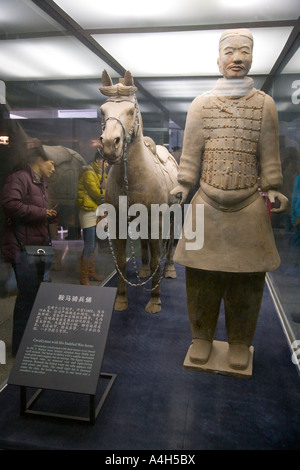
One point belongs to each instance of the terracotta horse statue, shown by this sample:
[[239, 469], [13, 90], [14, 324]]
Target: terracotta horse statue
[[143, 172]]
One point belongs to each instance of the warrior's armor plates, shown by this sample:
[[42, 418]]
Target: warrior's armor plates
[[231, 133]]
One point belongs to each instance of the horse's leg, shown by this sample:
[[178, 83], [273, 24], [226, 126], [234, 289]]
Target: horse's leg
[[121, 302], [145, 268], [154, 304], [170, 270]]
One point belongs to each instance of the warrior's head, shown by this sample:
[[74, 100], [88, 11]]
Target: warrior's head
[[235, 53]]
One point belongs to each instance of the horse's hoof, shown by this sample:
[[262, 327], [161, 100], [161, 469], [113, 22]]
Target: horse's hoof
[[121, 304], [171, 272], [153, 306], [144, 272]]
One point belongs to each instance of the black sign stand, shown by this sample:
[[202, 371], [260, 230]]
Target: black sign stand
[[63, 346], [26, 406]]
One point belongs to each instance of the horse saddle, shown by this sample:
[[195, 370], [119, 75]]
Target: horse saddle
[[159, 151]]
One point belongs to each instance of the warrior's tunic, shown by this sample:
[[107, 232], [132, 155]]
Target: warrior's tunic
[[231, 144]]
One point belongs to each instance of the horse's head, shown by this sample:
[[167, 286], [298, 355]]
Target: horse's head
[[120, 115]]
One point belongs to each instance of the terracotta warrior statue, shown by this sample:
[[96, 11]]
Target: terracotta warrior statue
[[231, 145]]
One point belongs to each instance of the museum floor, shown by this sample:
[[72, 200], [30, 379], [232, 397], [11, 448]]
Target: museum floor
[[156, 403]]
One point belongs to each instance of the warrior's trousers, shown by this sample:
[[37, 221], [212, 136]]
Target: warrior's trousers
[[242, 294]]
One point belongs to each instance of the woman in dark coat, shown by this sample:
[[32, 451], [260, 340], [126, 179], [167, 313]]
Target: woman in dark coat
[[27, 218]]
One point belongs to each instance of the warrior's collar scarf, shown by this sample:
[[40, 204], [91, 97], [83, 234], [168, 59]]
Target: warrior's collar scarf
[[233, 88]]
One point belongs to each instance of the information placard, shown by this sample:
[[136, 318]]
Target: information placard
[[64, 341]]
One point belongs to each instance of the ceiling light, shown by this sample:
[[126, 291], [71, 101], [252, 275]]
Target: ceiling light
[[293, 66], [142, 13], [77, 113], [4, 140], [46, 58], [190, 53], [16, 116], [238, 4]]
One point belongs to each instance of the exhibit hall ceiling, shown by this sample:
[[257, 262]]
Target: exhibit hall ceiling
[[59, 49]]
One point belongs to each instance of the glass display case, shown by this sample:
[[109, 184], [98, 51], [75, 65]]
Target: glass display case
[[284, 283], [52, 55]]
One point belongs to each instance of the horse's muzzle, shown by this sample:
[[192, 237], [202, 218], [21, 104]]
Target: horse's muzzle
[[113, 160], [112, 148]]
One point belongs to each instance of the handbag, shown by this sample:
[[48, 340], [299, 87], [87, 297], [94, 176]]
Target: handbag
[[38, 253]]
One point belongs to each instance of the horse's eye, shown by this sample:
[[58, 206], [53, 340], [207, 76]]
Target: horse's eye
[[131, 112]]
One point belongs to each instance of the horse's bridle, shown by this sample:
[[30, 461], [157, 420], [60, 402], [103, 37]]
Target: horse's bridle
[[127, 135]]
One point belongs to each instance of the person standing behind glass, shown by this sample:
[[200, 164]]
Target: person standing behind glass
[[90, 194], [27, 218]]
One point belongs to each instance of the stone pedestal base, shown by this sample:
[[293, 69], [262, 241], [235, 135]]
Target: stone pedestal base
[[218, 362]]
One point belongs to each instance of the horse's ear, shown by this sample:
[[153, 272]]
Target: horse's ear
[[128, 79], [125, 87], [106, 80]]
